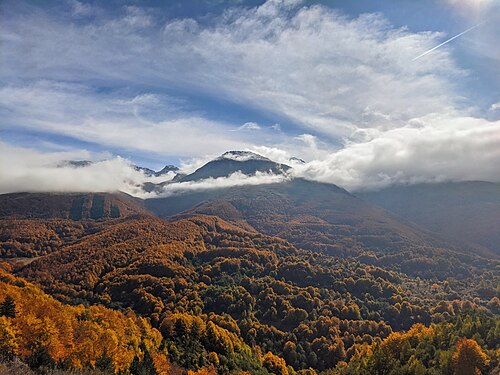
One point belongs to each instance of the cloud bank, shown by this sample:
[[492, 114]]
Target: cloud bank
[[25, 170], [433, 149]]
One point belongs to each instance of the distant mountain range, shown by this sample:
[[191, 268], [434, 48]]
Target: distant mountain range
[[148, 172]]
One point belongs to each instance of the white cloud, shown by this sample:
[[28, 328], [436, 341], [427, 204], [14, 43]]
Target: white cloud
[[443, 149], [235, 179], [250, 126], [320, 69], [495, 106], [26, 170], [309, 140], [473, 8], [80, 9], [147, 122]]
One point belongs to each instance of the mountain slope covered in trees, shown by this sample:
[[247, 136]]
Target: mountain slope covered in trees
[[285, 278], [326, 218], [239, 300], [44, 332]]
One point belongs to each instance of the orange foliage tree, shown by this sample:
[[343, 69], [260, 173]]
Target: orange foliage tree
[[469, 358]]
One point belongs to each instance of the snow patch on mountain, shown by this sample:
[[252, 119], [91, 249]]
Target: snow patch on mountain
[[242, 156]]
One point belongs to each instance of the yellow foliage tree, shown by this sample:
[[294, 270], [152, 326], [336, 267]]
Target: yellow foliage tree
[[8, 339], [74, 334]]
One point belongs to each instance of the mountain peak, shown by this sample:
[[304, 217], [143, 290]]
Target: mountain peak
[[294, 159], [166, 169], [242, 156], [74, 163], [246, 162]]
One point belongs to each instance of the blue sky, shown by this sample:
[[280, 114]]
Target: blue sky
[[332, 82]]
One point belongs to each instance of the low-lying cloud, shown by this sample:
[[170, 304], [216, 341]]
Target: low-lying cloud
[[233, 180], [26, 170], [427, 150]]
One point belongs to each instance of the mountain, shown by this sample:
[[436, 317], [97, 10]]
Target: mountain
[[326, 218], [462, 211], [74, 206], [290, 278], [36, 224], [166, 169], [294, 159], [215, 290], [230, 162], [147, 171], [75, 163], [297, 277], [151, 173]]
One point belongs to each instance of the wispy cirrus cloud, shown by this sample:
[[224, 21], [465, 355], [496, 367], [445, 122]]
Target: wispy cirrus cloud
[[321, 69], [151, 123]]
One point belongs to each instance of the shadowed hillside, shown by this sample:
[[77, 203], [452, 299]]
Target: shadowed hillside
[[461, 211], [324, 217], [74, 206], [34, 224]]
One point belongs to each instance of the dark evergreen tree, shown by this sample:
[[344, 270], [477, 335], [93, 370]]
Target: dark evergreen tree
[[145, 366], [40, 359], [8, 307], [105, 364]]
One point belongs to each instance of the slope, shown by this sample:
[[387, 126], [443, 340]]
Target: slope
[[210, 286], [463, 211], [74, 206], [236, 161], [324, 217], [35, 224], [42, 330]]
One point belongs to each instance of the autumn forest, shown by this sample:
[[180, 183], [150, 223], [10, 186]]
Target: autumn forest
[[132, 293]]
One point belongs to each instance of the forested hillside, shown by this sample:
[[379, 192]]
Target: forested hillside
[[238, 300], [74, 206], [325, 218], [46, 333]]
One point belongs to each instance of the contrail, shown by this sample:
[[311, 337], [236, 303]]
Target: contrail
[[448, 41]]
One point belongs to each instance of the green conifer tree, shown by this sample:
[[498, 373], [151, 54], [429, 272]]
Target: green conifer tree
[[8, 307]]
